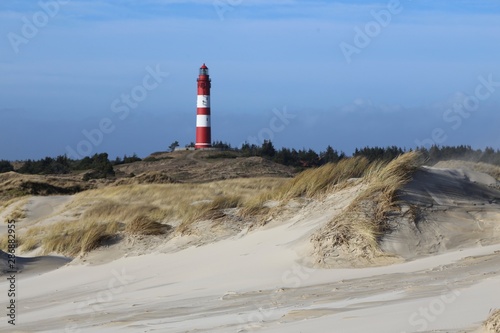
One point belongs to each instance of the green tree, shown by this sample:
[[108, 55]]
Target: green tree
[[173, 145], [330, 155], [101, 167], [5, 166], [268, 149]]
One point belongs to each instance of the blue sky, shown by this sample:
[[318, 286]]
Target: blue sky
[[412, 79]]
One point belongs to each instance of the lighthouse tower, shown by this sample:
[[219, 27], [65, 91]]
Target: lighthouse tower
[[203, 132]]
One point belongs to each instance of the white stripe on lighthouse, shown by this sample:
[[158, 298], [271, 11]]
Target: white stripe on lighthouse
[[203, 101], [202, 120]]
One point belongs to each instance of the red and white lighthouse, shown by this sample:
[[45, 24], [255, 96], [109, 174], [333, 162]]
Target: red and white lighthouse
[[203, 131]]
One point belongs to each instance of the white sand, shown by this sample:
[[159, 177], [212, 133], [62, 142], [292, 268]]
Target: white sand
[[255, 282]]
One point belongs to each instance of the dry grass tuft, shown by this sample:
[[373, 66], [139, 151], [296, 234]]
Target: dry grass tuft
[[73, 238], [359, 228], [211, 210], [18, 211], [256, 205], [6, 203], [4, 242], [492, 324], [314, 182], [30, 244], [143, 225]]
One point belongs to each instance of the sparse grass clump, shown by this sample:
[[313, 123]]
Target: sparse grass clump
[[18, 212], [256, 205], [210, 210], [143, 225], [73, 238], [67, 238]]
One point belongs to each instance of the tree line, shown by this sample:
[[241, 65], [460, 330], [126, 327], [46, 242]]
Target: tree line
[[304, 158], [100, 166], [97, 166]]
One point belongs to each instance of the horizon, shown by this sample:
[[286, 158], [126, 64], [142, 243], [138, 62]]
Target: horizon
[[301, 74]]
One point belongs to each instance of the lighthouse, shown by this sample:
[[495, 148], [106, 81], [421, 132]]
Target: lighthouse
[[203, 132]]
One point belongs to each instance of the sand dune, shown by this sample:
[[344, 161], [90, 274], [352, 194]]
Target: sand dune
[[445, 209], [31, 266], [446, 238]]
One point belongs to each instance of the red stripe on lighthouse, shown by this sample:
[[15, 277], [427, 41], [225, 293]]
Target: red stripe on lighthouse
[[203, 129]]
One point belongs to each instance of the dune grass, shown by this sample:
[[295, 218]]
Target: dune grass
[[143, 225], [18, 212], [363, 222], [314, 182], [66, 238], [105, 213], [492, 324], [209, 210], [183, 203], [311, 183], [72, 238], [4, 242]]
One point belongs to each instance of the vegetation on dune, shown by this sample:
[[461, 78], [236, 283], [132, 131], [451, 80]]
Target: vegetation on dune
[[492, 324], [147, 207], [14, 186], [363, 222], [144, 225], [140, 210], [310, 183], [72, 238], [18, 212], [68, 238], [209, 210], [314, 182]]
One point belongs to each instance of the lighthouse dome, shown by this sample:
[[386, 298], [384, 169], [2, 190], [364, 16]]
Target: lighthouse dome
[[203, 70]]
